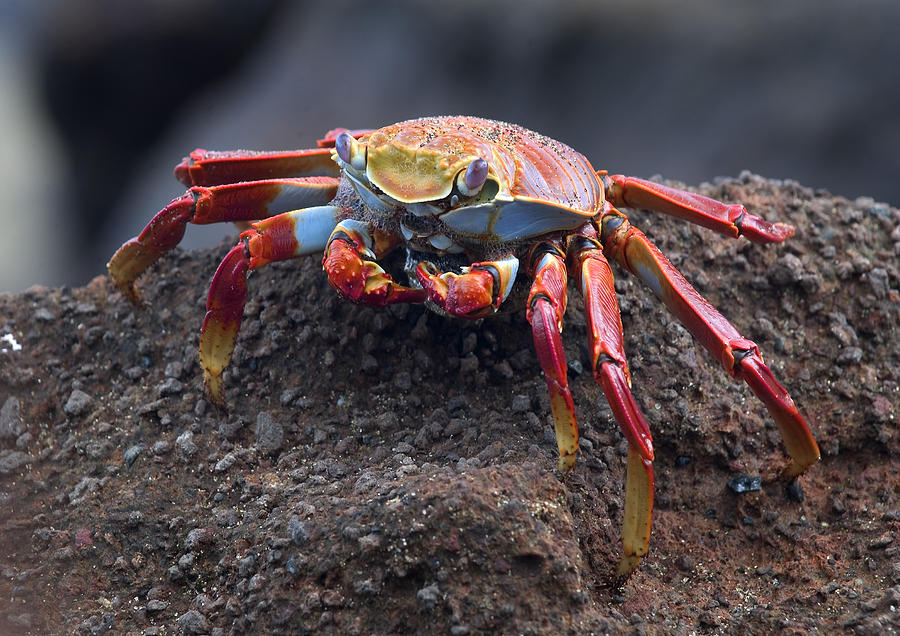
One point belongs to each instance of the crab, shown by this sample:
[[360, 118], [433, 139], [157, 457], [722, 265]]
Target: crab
[[486, 212]]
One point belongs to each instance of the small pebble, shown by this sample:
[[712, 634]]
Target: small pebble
[[744, 483], [403, 381], [795, 491], [225, 463], [133, 453], [185, 443], [197, 538], [170, 387], [299, 531], [685, 563], [12, 460], [881, 542], [193, 622], [77, 403], [269, 433], [429, 596], [11, 425], [786, 271], [521, 404]]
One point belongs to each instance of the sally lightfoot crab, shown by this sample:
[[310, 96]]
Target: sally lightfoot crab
[[482, 209]]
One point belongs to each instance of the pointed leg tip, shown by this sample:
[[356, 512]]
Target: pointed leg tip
[[214, 389], [799, 466], [566, 464], [627, 565], [126, 265], [126, 287]]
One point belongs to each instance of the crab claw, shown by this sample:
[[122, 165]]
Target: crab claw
[[477, 292], [224, 310], [466, 296]]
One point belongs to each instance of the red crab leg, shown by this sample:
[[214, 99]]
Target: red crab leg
[[592, 273], [739, 356], [200, 205], [209, 167], [275, 239], [477, 292], [349, 261], [729, 219], [545, 308]]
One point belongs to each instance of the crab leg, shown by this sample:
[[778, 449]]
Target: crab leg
[[350, 256], [739, 356], [202, 205], [274, 239], [477, 292], [545, 308], [209, 167], [729, 219], [591, 272]]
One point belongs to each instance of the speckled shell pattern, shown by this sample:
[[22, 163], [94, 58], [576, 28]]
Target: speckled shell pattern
[[526, 163]]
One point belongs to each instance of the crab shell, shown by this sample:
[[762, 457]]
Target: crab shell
[[534, 184]]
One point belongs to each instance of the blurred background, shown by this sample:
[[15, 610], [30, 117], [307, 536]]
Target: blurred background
[[99, 99]]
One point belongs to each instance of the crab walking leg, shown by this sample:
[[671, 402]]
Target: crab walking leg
[[275, 239], [638, 511], [209, 167], [593, 276], [739, 356], [729, 219], [349, 261], [202, 205], [545, 308], [477, 292]]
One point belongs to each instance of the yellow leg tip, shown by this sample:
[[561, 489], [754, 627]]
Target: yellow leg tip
[[566, 463], [214, 388], [628, 564]]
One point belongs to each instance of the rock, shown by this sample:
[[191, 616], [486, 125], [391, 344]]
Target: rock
[[429, 596], [269, 433], [299, 531], [192, 622], [521, 404], [744, 483], [786, 271], [11, 460], [198, 538], [11, 425], [132, 454], [185, 444], [77, 403]]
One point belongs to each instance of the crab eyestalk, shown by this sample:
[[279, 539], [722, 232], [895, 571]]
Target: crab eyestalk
[[470, 182], [350, 151]]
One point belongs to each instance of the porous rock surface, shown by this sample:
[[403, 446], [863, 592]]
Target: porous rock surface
[[392, 471]]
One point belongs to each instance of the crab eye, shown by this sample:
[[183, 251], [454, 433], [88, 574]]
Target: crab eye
[[476, 174], [470, 182], [343, 144]]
